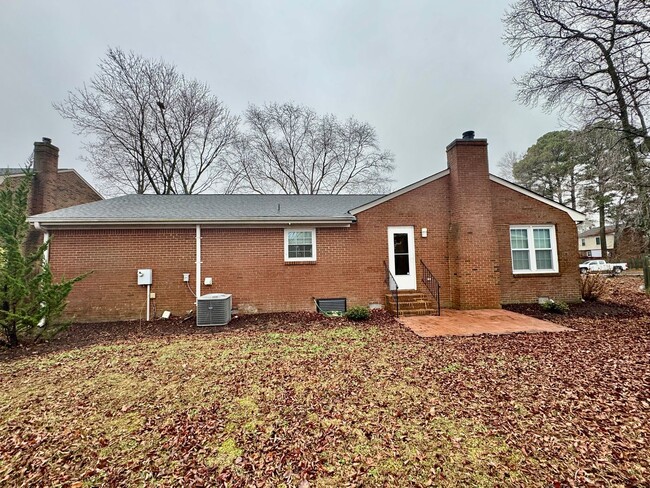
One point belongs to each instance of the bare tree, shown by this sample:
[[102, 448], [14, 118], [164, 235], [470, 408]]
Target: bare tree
[[151, 130], [288, 148], [506, 163], [593, 64]]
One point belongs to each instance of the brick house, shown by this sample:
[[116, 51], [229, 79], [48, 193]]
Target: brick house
[[487, 241], [53, 187]]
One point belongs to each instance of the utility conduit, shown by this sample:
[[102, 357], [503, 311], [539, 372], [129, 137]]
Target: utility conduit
[[198, 263]]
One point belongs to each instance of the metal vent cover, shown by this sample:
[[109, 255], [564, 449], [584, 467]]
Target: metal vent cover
[[332, 305], [213, 309]]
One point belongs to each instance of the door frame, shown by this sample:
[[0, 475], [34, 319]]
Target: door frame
[[404, 282]]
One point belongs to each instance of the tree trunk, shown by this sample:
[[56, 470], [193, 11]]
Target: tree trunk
[[12, 336], [9, 326], [603, 235]]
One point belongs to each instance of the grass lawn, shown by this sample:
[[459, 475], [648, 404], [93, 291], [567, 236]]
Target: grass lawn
[[296, 400]]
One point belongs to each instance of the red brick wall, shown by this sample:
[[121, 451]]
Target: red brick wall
[[513, 208], [68, 189], [474, 253], [111, 292]]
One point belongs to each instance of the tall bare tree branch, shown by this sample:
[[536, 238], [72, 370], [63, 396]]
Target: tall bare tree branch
[[593, 65], [288, 148], [151, 129]]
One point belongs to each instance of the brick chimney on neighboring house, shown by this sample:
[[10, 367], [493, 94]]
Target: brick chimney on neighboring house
[[474, 254], [46, 167]]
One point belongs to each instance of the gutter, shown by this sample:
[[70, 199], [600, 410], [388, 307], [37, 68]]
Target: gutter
[[275, 221]]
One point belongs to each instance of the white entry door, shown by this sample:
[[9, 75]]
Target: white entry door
[[401, 256]]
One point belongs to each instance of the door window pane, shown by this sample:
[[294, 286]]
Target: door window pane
[[401, 242], [401, 249], [401, 264]]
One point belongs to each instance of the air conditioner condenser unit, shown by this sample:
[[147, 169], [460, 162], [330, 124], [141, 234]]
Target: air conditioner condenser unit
[[213, 309]]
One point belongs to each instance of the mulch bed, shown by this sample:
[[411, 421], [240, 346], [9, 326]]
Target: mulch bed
[[88, 334]]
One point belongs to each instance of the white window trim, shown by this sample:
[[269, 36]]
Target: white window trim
[[531, 250], [286, 243]]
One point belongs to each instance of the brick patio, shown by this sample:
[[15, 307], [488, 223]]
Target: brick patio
[[476, 322]]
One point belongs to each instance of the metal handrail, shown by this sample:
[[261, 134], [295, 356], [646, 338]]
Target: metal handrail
[[432, 285], [391, 283]]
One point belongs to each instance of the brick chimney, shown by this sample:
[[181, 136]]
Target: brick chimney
[[46, 167], [474, 253]]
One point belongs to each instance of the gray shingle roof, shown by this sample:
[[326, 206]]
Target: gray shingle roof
[[10, 171], [609, 229], [209, 208]]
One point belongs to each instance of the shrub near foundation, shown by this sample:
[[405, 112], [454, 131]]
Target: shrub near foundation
[[592, 286], [558, 307], [358, 313]]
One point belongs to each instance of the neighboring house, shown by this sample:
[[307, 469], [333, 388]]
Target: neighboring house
[[487, 241], [52, 188], [589, 245]]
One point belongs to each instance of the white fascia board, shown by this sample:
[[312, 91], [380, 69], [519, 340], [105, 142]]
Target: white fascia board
[[131, 223], [574, 214], [399, 192]]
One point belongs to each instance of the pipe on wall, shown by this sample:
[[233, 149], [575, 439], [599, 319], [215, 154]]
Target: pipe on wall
[[198, 263], [46, 254]]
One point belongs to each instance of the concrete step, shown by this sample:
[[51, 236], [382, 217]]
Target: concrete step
[[411, 313], [410, 298], [429, 310], [406, 295], [411, 303]]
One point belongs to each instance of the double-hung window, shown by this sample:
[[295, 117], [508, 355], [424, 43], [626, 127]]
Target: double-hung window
[[533, 249], [300, 244]]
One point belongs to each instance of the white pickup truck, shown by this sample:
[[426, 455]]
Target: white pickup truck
[[601, 266]]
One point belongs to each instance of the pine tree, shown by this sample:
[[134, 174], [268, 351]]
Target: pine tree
[[30, 301]]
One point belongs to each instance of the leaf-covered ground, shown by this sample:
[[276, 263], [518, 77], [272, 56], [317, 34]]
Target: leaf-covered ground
[[297, 400]]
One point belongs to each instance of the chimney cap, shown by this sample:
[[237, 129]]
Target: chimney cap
[[469, 134], [47, 140]]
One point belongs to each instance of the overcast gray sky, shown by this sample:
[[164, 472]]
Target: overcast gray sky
[[420, 72]]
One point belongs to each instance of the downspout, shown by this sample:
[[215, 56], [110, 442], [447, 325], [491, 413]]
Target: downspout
[[46, 254], [198, 263], [148, 303], [46, 259]]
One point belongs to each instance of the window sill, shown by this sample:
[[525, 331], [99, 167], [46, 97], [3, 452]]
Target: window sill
[[298, 263], [536, 275]]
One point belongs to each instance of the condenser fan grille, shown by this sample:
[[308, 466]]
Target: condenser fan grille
[[213, 309]]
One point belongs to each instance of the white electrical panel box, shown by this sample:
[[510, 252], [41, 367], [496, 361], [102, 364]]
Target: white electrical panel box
[[144, 277]]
